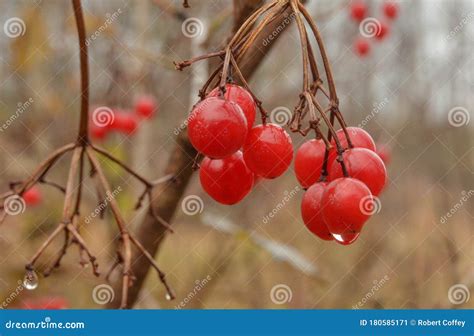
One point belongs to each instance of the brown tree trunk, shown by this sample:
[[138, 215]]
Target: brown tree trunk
[[166, 196]]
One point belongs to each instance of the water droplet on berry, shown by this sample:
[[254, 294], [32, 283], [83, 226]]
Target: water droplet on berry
[[346, 238], [30, 281], [168, 297]]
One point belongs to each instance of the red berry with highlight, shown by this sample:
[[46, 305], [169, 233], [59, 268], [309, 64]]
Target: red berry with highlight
[[382, 32], [268, 150], [226, 180], [146, 107], [390, 9], [309, 161], [342, 205], [217, 127], [241, 97], [358, 10], [364, 165], [311, 211], [32, 196]]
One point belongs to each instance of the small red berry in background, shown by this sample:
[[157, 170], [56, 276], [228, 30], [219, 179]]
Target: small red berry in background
[[362, 47], [358, 10], [385, 153], [226, 180], [268, 150], [241, 97], [390, 9], [309, 161], [45, 303], [98, 132], [342, 205], [32, 196], [311, 211], [382, 32], [364, 165], [217, 127], [125, 122], [146, 107]]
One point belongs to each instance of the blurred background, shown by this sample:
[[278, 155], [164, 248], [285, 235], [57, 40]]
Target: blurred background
[[412, 91]]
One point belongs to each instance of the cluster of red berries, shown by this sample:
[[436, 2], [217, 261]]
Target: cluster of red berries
[[121, 120], [337, 204], [221, 128], [359, 11]]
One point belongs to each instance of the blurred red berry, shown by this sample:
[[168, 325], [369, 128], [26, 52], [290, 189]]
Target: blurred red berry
[[358, 10], [362, 47], [146, 107], [382, 32], [311, 211], [97, 132], [241, 97], [390, 9], [32, 196], [45, 303], [125, 122]]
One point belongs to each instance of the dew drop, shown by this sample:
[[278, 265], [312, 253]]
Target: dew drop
[[346, 238], [168, 297], [30, 281]]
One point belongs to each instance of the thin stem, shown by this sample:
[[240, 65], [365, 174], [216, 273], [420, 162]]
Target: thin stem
[[83, 136]]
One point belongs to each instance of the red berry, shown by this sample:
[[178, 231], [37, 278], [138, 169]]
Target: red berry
[[125, 122], [45, 303], [358, 10], [390, 9], [98, 132], [385, 153], [364, 165], [146, 107], [382, 32], [342, 205], [226, 180], [311, 211], [309, 161], [346, 238], [217, 127], [32, 196], [241, 97], [268, 150], [362, 47], [359, 139]]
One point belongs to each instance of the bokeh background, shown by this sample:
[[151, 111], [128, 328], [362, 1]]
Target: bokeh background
[[413, 92]]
